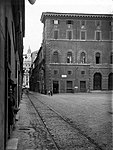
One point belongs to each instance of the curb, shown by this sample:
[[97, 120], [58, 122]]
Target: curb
[[12, 144]]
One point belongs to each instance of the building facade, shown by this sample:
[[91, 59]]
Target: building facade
[[26, 68], [33, 56], [12, 26], [28, 61], [37, 73], [78, 52]]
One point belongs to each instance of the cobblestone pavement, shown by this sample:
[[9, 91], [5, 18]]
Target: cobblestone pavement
[[91, 112], [65, 136], [29, 129]]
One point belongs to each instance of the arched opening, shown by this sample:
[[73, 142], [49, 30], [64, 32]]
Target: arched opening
[[110, 81], [97, 57], [69, 57], [83, 57], [55, 58], [97, 80]]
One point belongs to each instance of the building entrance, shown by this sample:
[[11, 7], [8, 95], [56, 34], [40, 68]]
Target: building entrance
[[110, 81], [82, 86], [97, 80], [69, 86], [55, 87]]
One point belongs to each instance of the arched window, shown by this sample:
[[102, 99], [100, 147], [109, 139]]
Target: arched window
[[69, 57], [55, 57], [56, 34], [97, 58], [83, 57], [111, 58]]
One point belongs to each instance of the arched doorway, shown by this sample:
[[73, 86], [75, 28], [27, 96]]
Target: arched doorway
[[110, 81], [97, 80]]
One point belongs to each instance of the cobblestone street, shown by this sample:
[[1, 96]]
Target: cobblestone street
[[90, 112]]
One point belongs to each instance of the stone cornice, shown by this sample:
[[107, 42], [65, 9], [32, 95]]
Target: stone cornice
[[77, 15], [69, 64], [77, 40]]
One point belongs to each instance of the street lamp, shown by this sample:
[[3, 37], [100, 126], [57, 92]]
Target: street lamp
[[32, 1]]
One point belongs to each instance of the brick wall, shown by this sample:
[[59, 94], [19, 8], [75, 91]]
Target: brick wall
[[90, 46], [90, 28]]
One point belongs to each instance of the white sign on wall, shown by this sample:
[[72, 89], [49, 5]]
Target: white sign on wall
[[64, 75]]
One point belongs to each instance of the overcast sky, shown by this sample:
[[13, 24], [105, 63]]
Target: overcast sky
[[34, 27]]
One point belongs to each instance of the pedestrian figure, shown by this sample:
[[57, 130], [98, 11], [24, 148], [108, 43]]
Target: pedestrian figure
[[27, 91], [51, 92]]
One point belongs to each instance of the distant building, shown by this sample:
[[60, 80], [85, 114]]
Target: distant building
[[26, 68], [37, 73], [33, 56], [28, 61], [77, 52]]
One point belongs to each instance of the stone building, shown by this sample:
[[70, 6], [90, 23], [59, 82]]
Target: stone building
[[33, 56], [37, 73], [12, 27], [26, 68], [12, 31], [28, 60], [78, 52]]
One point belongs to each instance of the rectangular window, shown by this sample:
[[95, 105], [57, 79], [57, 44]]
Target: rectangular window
[[55, 21], [69, 22], [69, 35], [69, 84], [98, 35], [82, 72], [69, 72], [83, 35], [56, 34], [55, 72]]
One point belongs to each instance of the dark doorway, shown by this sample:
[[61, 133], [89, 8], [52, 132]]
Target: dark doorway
[[110, 81], [97, 80], [69, 87], [83, 86], [55, 87]]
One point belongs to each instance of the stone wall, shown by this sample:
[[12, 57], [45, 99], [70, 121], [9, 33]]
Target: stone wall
[[2, 73], [90, 46]]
